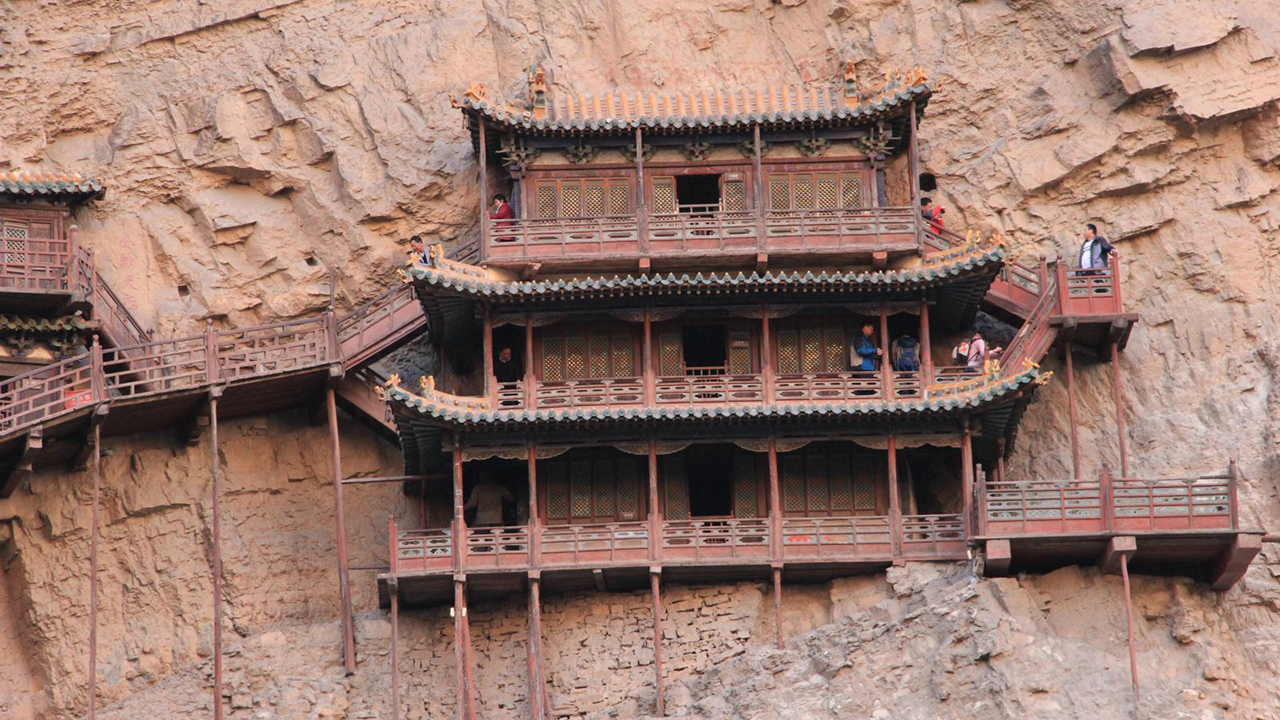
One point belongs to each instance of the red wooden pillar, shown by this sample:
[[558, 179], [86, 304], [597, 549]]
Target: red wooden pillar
[[895, 499], [459, 517], [762, 244], [484, 195], [775, 505], [886, 365], [217, 558], [394, 590], [539, 702], [777, 604], [462, 650], [913, 167], [655, 516], [93, 570], [926, 348], [530, 383], [766, 354], [340, 518], [490, 382], [655, 591], [650, 377], [1128, 612], [1117, 392], [966, 457], [642, 210], [1071, 411]]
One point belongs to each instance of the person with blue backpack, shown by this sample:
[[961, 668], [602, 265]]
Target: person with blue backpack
[[863, 350], [906, 354]]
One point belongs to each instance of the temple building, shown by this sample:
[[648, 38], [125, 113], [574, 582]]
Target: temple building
[[701, 337]]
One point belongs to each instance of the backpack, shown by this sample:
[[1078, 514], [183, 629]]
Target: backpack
[[909, 358], [960, 355]]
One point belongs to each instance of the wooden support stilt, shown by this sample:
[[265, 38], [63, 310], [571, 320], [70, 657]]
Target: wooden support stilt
[[1117, 392], [777, 605], [1071, 411], [93, 574], [395, 648], [1133, 651], [484, 193], [340, 518], [538, 708], [462, 650], [217, 560], [656, 591]]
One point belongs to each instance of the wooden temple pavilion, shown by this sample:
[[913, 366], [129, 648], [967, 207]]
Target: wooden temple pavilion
[[650, 361]]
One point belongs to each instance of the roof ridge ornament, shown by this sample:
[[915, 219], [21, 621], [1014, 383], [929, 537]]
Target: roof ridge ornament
[[850, 84], [538, 92]]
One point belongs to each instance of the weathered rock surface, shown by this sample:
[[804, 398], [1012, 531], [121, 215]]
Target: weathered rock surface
[[251, 146]]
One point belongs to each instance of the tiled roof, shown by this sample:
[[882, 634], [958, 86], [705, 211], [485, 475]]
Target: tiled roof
[[17, 323], [21, 182], [718, 109], [461, 279], [451, 410]]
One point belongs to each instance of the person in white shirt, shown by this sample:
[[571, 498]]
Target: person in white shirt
[[1095, 251], [978, 353]]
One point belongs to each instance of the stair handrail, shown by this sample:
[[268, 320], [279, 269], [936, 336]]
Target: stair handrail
[[1011, 359]]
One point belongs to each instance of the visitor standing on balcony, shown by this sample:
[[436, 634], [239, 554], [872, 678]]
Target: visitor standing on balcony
[[863, 350], [1095, 251], [507, 372], [501, 212], [932, 214], [486, 501], [906, 354], [978, 352], [417, 253]]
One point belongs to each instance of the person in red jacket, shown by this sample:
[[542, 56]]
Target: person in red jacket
[[500, 211], [932, 214]]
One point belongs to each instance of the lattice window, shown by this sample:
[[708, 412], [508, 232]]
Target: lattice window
[[851, 191], [599, 356], [810, 350], [570, 200], [623, 356], [670, 354], [664, 195], [780, 194], [818, 499], [606, 486], [675, 488], [552, 359], [15, 244], [802, 192], [556, 482], [834, 349], [828, 196], [575, 357], [628, 490], [739, 359], [744, 486], [593, 200], [619, 199], [580, 488], [864, 489], [545, 204], [791, 475], [839, 482], [733, 195], [788, 352]]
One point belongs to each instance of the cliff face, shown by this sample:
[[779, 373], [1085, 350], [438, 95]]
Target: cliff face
[[251, 145]]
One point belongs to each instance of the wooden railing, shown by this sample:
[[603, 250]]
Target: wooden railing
[[605, 543], [836, 537], [1107, 504], [489, 547], [605, 392], [1034, 337], [37, 265], [709, 229], [718, 389], [422, 550], [715, 539], [1089, 292], [377, 324], [273, 349], [930, 535], [851, 386], [1018, 282]]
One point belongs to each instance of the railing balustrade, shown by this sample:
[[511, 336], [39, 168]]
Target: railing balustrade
[[1042, 507], [497, 546], [422, 550], [715, 539], [273, 349], [1194, 503], [850, 386], [703, 389], [35, 265], [380, 321], [49, 392], [602, 392], [1089, 292], [594, 543], [930, 535], [837, 537]]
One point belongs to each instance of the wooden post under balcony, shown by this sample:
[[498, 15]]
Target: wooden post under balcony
[[490, 382], [766, 354], [895, 499], [462, 650], [210, 352], [1072, 413], [393, 590], [1118, 396], [216, 513], [93, 566], [926, 349], [340, 518], [484, 196], [530, 384], [758, 190], [886, 364], [642, 210], [966, 477]]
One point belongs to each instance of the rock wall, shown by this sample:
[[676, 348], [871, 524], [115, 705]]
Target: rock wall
[[251, 146]]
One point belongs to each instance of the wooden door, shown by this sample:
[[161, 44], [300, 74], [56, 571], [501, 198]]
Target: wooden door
[[589, 487], [832, 482]]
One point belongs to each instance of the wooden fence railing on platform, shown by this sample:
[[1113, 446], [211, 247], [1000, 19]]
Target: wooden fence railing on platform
[[1107, 504]]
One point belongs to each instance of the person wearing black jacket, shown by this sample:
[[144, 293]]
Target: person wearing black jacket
[[1095, 251]]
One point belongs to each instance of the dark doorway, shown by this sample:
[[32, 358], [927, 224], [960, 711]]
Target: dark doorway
[[697, 193], [704, 349], [709, 472], [928, 183]]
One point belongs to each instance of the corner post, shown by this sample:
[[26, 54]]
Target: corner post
[[484, 193], [1072, 413], [1105, 498], [535, 525], [1117, 392], [93, 568], [211, 352], [1233, 490], [490, 382], [340, 518], [762, 244], [886, 362], [895, 500], [926, 349], [642, 210], [216, 556], [97, 377], [966, 457]]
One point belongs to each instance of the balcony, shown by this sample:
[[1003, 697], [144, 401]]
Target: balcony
[[1183, 525], [621, 240]]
